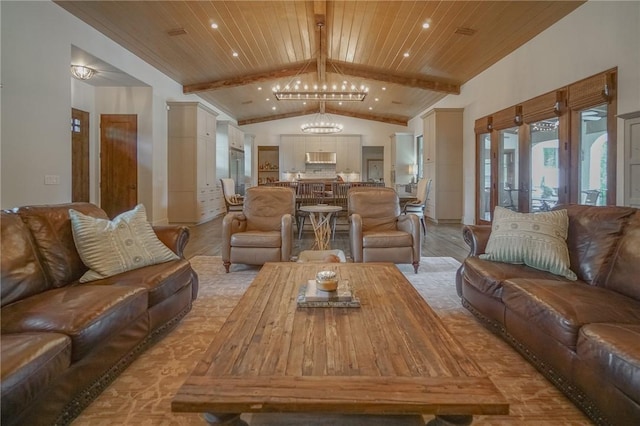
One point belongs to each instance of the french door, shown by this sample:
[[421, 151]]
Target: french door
[[554, 149]]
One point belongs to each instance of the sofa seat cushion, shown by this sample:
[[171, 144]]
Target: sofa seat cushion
[[258, 239], [487, 276], [89, 315], [561, 308], [161, 281], [30, 361], [386, 239], [614, 350]]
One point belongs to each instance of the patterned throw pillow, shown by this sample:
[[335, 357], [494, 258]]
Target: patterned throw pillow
[[110, 247], [538, 240]]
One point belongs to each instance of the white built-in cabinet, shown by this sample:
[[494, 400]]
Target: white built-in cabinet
[[348, 151], [194, 195], [348, 154], [443, 134], [292, 150], [403, 156]]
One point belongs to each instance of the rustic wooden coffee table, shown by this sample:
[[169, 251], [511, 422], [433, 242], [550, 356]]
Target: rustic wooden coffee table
[[391, 356]]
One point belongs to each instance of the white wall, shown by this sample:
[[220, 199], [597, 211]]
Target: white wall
[[597, 36]]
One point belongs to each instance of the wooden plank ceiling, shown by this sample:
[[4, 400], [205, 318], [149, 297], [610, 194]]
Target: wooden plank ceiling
[[379, 44]]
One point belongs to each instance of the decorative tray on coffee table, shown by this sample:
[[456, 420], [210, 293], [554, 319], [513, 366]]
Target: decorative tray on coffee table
[[310, 296]]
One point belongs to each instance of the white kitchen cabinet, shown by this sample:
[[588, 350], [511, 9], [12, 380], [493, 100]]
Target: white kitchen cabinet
[[231, 136], [443, 136], [348, 154], [292, 150], [320, 144], [191, 162]]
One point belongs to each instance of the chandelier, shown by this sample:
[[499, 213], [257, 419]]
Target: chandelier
[[322, 124], [82, 72], [295, 90], [315, 92]]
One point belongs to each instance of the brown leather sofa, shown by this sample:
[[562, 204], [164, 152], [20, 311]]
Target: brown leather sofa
[[263, 231], [63, 342], [378, 231], [583, 335]]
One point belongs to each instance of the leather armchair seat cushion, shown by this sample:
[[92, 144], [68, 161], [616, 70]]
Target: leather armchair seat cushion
[[561, 308], [488, 276], [256, 239], [87, 314], [161, 281], [30, 361], [614, 349], [386, 239], [387, 254]]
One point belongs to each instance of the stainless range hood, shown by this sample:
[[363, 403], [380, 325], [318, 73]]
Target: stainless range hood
[[320, 157]]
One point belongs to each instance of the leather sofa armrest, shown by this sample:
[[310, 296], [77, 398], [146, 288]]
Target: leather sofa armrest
[[355, 237], [286, 237], [174, 237], [476, 236]]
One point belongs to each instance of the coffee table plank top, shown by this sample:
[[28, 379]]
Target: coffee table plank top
[[392, 355]]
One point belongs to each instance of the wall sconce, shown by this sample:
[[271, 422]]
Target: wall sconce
[[82, 72]]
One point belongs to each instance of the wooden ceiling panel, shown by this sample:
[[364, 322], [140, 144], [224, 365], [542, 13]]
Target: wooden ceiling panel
[[274, 39]]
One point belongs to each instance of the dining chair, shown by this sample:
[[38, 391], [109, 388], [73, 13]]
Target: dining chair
[[418, 205], [308, 193], [232, 202], [339, 190]]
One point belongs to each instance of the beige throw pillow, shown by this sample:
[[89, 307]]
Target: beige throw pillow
[[110, 247], [538, 240]]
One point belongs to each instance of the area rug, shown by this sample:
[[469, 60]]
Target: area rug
[[142, 394]]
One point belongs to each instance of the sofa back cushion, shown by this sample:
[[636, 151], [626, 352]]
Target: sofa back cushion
[[624, 276], [22, 274], [594, 234], [50, 226]]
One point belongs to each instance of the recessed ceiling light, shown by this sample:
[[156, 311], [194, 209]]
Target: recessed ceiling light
[[273, 108], [425, 25], [406, 54], [339, 103], [376, 99], [214, 25], [384, 88], [235, 54], [267, 99], [370, 108], [304, 103]]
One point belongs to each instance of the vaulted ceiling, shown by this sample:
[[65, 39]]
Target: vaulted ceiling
[[232, 53]]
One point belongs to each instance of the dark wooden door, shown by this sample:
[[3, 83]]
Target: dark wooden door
[[118, 162], [79, 155]]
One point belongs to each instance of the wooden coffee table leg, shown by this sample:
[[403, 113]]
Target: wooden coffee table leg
[[451, 421], [226, 419]]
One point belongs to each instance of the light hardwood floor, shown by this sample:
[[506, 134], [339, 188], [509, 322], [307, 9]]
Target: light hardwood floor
[[442, 240]]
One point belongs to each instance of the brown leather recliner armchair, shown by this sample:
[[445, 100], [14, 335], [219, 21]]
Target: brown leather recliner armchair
[[378, 231], [263, 231]]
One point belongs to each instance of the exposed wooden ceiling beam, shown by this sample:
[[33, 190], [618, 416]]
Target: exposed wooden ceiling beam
[[276, 117], [289, 71], [319, 14], [420, 82], [401, 121]]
